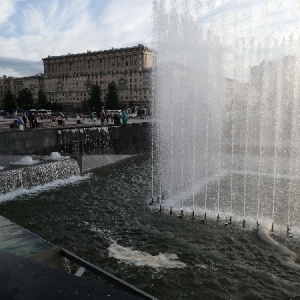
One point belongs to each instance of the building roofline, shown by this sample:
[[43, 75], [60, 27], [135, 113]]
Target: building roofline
[[110, 51]]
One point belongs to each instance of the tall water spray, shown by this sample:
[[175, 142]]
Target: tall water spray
[[227, 93]]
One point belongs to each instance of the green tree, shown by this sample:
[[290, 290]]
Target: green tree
[[111, 97], [131, 104], [9, 102], [94, 102], [25, 99], [48, 105], [54, 107], [42, 100]]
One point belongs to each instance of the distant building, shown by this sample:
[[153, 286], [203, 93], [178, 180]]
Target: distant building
[[4, 86], [33, 83], [68, 78], [16, 84]]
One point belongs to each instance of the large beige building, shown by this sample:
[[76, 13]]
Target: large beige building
[[68, 78]]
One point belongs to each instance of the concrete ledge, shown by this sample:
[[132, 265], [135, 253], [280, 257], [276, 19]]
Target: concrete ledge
[[70, 140], [25, 279], [50, 258]]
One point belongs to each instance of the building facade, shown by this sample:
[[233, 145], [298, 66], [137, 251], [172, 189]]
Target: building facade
[[4, 86], [33, 83], [16, 84], [68, 78]]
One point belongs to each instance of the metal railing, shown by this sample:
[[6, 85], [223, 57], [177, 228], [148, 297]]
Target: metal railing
[[85, 265]]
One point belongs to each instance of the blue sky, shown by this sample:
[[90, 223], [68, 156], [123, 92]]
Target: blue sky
[[33, 29]]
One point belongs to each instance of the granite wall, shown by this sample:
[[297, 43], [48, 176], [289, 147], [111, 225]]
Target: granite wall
[[35, 141], [129, 139]]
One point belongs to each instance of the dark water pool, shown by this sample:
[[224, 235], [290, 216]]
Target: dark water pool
[[106, 219]]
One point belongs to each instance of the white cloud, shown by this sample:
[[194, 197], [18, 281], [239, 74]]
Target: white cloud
[[57, 27], [7, 10]]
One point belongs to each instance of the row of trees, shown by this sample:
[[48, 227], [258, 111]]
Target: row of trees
[[25, 100], [111, 99]]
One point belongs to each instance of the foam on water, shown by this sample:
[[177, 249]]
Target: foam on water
[[138, 258], [16, 194], [56, 156], [25, 161]]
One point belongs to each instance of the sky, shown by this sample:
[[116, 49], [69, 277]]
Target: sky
[[232, 35], [33, 29], [30, 30]]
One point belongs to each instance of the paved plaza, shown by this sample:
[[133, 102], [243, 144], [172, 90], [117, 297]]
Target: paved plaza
[[47, 123]]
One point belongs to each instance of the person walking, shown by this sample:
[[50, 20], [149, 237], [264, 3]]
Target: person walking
[[24, 117], [102, 118], [31, 119], [116, 118], [20, 123], [35, 121], [124, 117]]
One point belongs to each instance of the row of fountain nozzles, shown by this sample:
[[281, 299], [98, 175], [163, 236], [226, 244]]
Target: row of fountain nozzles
[[181, 215]]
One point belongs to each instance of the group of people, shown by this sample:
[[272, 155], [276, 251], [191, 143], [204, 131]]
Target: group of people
[[105, 117], [59, 120], [23, 120]]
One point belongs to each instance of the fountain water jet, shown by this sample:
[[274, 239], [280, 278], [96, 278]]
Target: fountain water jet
[[227, 106]]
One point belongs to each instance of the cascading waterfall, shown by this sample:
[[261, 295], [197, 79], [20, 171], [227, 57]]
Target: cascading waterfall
[[227, 107], [94, 140], [27, 177]]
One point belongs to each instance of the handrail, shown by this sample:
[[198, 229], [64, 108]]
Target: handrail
[[105, 275]]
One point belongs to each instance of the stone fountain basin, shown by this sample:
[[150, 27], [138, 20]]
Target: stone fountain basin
[[14, 177]]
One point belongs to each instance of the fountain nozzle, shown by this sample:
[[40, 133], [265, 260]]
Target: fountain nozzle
[[181, 214], [157, 199], [229, 222], [193, 215], [152, 201], [257, 224], [171, 211], [288, 230], [272, 228], [244, 223]]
